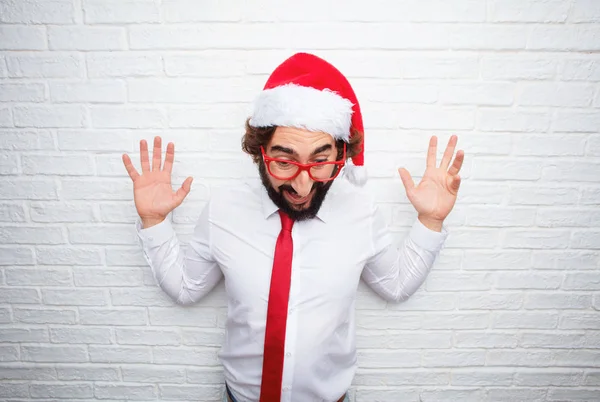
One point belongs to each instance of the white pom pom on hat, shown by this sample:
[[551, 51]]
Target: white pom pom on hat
[[307, 92]]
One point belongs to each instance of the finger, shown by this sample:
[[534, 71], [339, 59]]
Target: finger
[[455, 183], [407, 180], [431, 153], [144, 156], [458, 162], [184, 190], [156, 154], [133, 173], [169, 158], [449, 152]]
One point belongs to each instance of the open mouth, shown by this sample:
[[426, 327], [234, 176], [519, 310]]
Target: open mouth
[[294, 198]]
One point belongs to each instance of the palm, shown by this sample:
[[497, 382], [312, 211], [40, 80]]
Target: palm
[[436, 194], [153, 195]]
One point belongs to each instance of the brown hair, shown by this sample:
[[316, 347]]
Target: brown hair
[[255, 137]]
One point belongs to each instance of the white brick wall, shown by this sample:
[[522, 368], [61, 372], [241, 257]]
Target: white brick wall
[[511, 310]]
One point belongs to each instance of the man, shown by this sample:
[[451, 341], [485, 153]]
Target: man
[[293, 246]]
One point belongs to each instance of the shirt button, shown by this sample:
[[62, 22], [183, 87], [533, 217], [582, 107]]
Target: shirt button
[[150, 238], [286, 389], [288, 354]]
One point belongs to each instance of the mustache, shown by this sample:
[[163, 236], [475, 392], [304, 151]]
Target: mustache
[[290, 189]]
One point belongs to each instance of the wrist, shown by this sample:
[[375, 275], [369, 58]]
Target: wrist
[[431, 223], [149, 222]]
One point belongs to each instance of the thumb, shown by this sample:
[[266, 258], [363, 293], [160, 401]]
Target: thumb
[[407, 180], [184, 190]]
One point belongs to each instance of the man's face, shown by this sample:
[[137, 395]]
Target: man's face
[[300, 197]]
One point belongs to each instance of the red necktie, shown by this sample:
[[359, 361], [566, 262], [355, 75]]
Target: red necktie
[[272, 373]]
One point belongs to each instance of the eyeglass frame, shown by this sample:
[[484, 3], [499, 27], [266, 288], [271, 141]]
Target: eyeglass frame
[[304, 166]]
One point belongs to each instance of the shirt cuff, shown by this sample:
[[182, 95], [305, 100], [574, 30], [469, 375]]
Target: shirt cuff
[[426, 238], [154, 235]]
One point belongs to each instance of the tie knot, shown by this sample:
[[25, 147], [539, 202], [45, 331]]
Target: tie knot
[[286, 222]]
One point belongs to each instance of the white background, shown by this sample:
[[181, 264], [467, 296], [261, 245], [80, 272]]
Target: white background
[[511, 308]]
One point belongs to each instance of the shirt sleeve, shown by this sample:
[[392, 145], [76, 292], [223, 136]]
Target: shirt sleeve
[[186, 276], [395, 273]]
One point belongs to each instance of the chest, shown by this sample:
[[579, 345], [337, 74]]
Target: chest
[[327, 260]]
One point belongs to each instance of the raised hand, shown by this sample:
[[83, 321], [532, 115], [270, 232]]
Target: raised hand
[[436, 194], [152, 191]]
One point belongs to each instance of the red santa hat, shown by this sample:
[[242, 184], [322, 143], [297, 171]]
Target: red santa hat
[[307, 92]]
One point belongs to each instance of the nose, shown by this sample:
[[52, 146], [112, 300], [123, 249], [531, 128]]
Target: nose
[[302, 184]]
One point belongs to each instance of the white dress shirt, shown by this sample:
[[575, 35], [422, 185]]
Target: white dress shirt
[[235, 238]]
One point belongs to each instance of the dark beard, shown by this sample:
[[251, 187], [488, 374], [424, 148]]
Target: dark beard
[[276, 195]]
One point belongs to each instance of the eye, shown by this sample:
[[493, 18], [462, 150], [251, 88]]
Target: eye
[[283, 165]]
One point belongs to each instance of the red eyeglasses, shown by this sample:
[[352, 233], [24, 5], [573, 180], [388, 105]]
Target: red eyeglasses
[[285, 169]]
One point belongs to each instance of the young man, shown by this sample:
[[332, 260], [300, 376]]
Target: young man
[[293, 246]]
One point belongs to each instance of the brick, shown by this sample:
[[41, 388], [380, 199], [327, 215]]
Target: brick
[[581, 281], [559, 301], [26, 139], [543, 195], [500, 217], [97, 91], [536, 239], [190, 392], [553, 94], [74, 297], [576, 121], [571, 38], [419, 117], [120, 12], [61, 391], [557, 394], [576, 320], [389, 359], [407, 11], [6, 118], [127, 391], [68, 256], [571, 218], [51, 212], [374, 339], [134, 297], [580, 70], [543, 340], [522, 68], [148, 337], [84, 373], [205, 375], [585, 239], [202, 337], [440, 395], [213, 90], [414, 377], [485, 339], [27, 372], [374, 320], [44, 316], [67, 165], [81, 335], [490, 301], [102, 277], [22, 92], [123, 64], [510, 121], [12, 212], [9, 353], [453, 358], [17, 37], [589, 195], [491, 94], [528, 281], [38, 276], [86, 38], [549, 144], [16, 256], [570, 171], [19, 296], [190, 317], [482, 377], [520, 358], [54, 354], [50, 116], [35, 12], [18, 335], [129, 117], [493, 168], [208, 116], [585, 11], [45, 65], [98, 316], [456, 321], [8, 390], [187, 356], [206, 64], [505, 260], [420, 67], [538, 320], [119, 355], [565, 259], [154, 374], [541, 11], [442, 281], [187, 11]]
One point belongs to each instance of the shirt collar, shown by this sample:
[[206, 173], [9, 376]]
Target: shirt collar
[[269, 207]]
